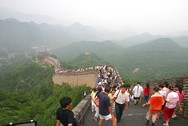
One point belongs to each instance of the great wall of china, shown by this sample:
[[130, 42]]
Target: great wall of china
[[89, 76]]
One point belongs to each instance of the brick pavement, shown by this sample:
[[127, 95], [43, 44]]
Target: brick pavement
[[134, 116]]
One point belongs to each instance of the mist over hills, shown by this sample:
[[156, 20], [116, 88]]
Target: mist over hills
[[182, 41], [147, 52], [102, 49], [27, 89], [25, 17], [137, 39], [28, 34]]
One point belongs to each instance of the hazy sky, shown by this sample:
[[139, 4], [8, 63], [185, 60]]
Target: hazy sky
[[154, 16]]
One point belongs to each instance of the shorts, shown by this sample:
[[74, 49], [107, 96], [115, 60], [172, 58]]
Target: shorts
[[168, 112], [107, 117], [136, 98]]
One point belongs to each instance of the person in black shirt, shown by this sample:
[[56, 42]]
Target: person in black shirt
[[64, 115]]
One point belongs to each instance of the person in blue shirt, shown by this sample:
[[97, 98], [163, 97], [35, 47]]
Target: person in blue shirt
[[105, 109]]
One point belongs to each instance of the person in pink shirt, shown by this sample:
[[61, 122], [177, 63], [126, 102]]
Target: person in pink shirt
[[172, 100], [165, 88], [179, 90]]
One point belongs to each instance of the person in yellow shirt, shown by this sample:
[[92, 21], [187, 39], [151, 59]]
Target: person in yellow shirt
[[112, 99], [93, 94]]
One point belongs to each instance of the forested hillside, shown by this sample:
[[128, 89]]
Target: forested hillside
[[101, 49], [84, 60], [27, 92], [151, 58], [156, 59]]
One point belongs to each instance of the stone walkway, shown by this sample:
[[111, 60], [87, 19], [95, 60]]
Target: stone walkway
[[134, 116]]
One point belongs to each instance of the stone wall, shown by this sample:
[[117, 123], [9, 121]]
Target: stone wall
[[88, 78], [80, 110], [185, 100]]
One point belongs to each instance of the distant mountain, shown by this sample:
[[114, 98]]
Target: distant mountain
[[104, 49], [159, 44], [180, 38], [156, 59], [16, 34], [160, 58], [4, 13], [84, 60], [182, 41], [153, 56], [83, 32], [138, 39]]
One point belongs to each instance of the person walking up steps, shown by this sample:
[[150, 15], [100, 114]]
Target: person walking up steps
[[155, 108], [179, 90], [105, 109], [122, 99], [171, 101], [112, 102], [96, 103], [137, 91], [146, 92], [93, 94]]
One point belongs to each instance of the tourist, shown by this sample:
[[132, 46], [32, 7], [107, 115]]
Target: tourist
[[122, 99], [105, 109], [155, 108], [112, 99], [146, 92], [179, 90], [64, 115], [137, 92], [96, 103], [93, 94], [171, 101]]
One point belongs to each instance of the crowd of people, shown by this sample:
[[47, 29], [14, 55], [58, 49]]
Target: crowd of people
[[163, 100], [109, 100]]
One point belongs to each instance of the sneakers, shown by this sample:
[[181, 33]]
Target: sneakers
[[147, 122], [95, 119], [165, 124], [174, 116]]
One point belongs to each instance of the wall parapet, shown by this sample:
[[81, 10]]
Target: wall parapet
[[185, 100], [80, 110]]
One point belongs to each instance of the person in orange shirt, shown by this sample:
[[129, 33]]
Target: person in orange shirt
[[155, 108]]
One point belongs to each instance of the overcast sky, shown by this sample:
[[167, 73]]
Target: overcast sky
[[153, 16]]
